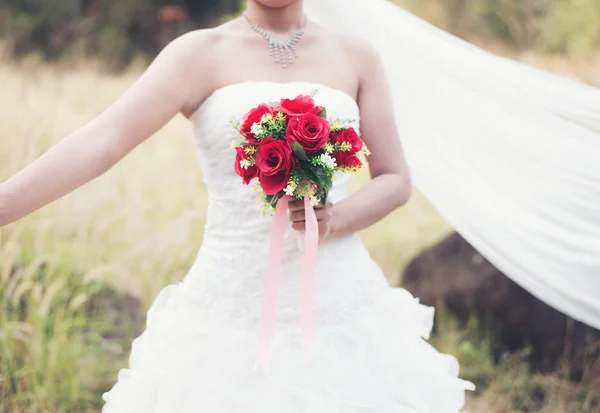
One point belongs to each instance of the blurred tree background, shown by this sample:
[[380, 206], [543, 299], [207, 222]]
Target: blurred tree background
[[118, 30], [115, 30], [548, 26]]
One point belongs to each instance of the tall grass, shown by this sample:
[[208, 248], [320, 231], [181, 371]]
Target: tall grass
[[138, 228]]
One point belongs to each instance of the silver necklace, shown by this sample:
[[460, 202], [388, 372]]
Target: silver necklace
[[283, 52]]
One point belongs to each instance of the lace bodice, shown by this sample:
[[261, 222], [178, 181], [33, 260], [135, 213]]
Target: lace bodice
[[228, 275]]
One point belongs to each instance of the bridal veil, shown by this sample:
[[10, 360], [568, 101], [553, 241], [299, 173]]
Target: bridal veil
[[508, 154]]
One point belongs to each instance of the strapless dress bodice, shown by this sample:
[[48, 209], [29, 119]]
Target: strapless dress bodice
[[231, 265]]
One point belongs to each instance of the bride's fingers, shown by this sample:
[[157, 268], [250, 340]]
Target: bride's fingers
[[297, 216], [296, 205], [299, 226], [323, 222], [323, 214], [322, 206]]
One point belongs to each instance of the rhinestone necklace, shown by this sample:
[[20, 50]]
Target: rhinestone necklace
[[283, 52]]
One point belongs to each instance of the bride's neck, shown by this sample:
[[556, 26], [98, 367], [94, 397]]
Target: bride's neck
[[276, 19]]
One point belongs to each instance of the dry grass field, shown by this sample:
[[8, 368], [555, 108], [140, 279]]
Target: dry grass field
[[137, 228]]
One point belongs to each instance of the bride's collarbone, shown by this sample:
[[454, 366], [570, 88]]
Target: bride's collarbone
[[319, 62], [237, 60]]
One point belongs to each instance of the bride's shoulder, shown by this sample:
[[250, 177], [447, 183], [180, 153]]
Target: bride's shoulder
[[211, 42], [356, 48], [360, 55], [190, 60], [197, 48], [196, 40]]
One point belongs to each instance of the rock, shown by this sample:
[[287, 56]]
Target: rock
[[452, 275], [122, 315]]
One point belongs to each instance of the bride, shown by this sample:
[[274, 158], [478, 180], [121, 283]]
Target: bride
[[198, 351]]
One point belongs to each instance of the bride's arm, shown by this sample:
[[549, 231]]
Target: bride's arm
[[390, 186], [166, 88]]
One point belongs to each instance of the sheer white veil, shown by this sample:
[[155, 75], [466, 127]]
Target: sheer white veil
[[508, 154]]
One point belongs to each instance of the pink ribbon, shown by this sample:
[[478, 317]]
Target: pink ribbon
[[311, 245]]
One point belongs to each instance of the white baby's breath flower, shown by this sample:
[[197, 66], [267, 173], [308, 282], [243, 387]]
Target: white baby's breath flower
[[314, 201], [289, 190], [328, 161], [245, 163], [256, 128]]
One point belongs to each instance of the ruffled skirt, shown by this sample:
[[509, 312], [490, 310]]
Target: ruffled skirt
[[192, 359]]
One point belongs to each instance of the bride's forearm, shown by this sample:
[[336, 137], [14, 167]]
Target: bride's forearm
[[370, 204], [75, 160], [171, 84]]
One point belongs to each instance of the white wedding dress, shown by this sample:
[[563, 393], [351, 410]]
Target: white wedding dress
[[198, 352]]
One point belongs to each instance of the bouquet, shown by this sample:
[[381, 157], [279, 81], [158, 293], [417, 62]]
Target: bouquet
[[293, 149]]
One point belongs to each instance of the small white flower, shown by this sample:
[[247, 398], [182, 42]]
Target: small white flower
[[256, 128], [314, 201], [333, 162], [328, 161], [289, 190], [245, 163]]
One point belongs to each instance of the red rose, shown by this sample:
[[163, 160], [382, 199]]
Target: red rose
[[275, 164], [350, 137], [302, 105], [248, 173], [347, 160], [255, 115], [310, 131]]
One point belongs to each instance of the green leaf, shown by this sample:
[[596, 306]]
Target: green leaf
[[299, 151], [319, 175], [310, 174], [274, 199], [324, 176], [323, 113]]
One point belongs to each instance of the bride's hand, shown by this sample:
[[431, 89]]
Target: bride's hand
[[323, 213]]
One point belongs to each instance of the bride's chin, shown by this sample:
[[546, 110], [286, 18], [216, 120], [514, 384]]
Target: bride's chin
[[276, 4]]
